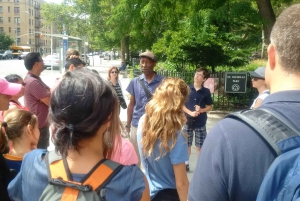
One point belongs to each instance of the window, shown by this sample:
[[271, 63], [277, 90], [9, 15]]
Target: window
[[17, 20], [1, 29], [17, 9], [1, 19], [29, 40], [17, 1], [9, 30], [1, 9], [8, 8], [29, 21], [18, 30], [18, 40], [8, 19]]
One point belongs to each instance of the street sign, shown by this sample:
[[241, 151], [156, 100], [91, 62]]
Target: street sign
[[235, 82]]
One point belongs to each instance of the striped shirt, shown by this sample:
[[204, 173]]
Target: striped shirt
[[36, 90]]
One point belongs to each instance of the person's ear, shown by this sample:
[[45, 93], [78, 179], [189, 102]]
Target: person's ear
[[72, 67], [29, 129], [271, 56]]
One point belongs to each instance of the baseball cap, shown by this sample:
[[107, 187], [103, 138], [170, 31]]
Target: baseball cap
[[149, 55], [259, 72], [8, 88]]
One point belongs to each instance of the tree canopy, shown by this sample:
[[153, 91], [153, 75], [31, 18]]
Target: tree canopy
[[185, 32], [5, 41]]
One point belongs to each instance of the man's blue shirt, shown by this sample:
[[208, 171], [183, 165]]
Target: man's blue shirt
[[135, 89], [234, 159], [202, 97]]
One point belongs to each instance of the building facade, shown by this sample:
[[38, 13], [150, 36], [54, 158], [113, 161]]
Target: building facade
[[21, 19]]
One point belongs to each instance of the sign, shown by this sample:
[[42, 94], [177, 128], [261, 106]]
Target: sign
[[235, 82], [210, 84]]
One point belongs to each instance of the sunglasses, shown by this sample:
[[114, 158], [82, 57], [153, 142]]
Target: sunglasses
[[114, 72], [256, 78]]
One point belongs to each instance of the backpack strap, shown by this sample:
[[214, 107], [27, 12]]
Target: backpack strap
[[96, 179], [101, 174], [274, 129], [148, 93]]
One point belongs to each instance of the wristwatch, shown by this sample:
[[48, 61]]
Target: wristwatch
[[127, 126]]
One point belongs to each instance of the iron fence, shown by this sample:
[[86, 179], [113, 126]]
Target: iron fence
[[221, 99]]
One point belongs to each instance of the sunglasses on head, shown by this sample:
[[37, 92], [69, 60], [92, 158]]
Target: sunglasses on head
[[116, 72], [256, 78]]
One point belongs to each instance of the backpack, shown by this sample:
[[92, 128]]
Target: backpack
[[282, 180], [62, 187]]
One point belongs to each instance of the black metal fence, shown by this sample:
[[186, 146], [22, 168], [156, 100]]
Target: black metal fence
[[222, 100]]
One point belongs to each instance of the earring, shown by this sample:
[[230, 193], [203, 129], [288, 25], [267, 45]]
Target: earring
[[107, 138]]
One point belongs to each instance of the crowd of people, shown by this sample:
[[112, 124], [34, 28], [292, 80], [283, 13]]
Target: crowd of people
[[93, 159]]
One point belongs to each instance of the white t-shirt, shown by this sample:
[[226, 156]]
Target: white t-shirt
[[262, 96]]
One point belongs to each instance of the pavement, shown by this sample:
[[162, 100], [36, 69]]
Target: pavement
[[102, 66]]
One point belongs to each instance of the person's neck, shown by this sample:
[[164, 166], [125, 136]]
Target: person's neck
[[197, 85], [291, 83], [20, 148], [35, 73], [16, 100], [114, 80], [90, 153], [149, 77], [262, 89]]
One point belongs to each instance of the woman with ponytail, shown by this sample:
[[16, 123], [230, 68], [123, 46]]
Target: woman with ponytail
[[21, 128], [162, 145]]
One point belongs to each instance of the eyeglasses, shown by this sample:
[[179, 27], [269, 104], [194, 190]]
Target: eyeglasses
[[256, 78], [198, 74], [114, 72]]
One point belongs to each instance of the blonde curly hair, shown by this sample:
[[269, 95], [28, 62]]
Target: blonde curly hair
[[164, 116]]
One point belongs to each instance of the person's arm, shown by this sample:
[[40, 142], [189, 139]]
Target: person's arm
[[189, 112], [130, 112], [202, 110], [257, 103], [46, 100], [146, 192], [182, 182]]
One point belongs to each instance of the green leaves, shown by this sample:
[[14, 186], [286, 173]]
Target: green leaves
[[5, 41]]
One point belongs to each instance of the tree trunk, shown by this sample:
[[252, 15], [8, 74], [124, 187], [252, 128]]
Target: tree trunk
[[123, 49], [268, 17], [127, 47]]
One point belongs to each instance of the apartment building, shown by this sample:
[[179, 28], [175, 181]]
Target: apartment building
[[21, 19]]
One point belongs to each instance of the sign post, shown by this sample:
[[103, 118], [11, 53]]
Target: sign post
[[235, 82]]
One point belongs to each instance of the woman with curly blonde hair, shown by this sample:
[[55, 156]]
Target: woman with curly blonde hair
[[162, 145]]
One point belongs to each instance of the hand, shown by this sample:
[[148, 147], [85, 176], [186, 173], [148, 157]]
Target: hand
[[194, 114], [127, 130], [198, 109], [73, 56]]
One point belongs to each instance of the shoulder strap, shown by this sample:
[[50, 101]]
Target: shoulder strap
[[274, 129], [97, 178], [101, 174], [148, 93]]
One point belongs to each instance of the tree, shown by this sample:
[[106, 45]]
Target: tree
[[5, 41]]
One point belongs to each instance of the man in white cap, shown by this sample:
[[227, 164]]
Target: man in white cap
[[258, 82], [6, 91], [141, 89]]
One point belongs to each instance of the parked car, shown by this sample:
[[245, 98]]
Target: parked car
[[55, 61], [106, 57], [22, 55], [86, 59], [6, 54]]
